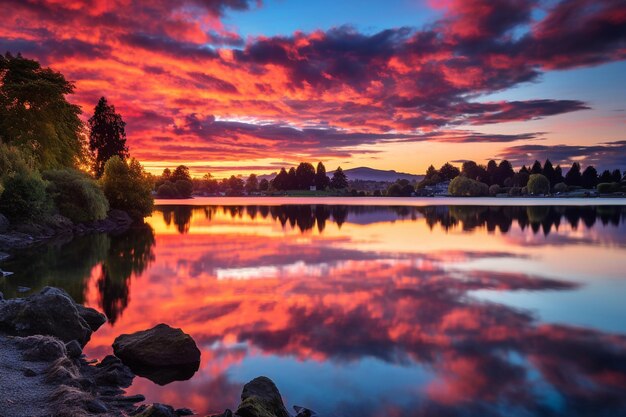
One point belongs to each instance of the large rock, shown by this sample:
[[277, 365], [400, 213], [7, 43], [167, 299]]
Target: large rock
[[51, 312], [260, 398], [161, 354]]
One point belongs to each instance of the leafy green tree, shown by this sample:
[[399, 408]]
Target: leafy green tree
[[35, 115], [107, 135], [339, 180], [76, 195], [538, 184], [24, 197], [321, 179], [252, 183], [462, 186], [573, 176], [167, 190], [589, 178], [127, 187]]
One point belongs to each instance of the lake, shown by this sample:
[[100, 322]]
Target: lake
[[368, 307]]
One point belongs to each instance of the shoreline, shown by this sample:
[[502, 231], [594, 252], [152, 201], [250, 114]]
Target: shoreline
[[394, 201]]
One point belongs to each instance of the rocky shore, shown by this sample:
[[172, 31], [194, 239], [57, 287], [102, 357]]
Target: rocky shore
[[19, 236], [43, 371]]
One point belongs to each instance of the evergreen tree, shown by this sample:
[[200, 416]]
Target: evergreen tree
[[431, 172], [292, 179], [616, 176], [589, 177], [548, 172], [536, 168], [573, 177], [339, 180], [605, 176], [558, 175], [107, 135], [321, 179]]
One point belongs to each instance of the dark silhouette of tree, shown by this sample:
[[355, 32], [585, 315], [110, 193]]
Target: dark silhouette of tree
[[107, 135], [281, 180], [292, 179], [235, 186], [558, 175], [180, 173], [252, 183], [35, 116], [264, 184], [431, 172], [321, 179], [616, 176], [474, 171], [305, 176], [504, 172], [536, 168], [449, 171], [605, 176], [339, 180], [548, 172], [573, 176], [492, 171], [589, 177]]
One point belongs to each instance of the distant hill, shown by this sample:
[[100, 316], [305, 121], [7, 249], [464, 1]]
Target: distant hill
[[367, 174], [371, 174]]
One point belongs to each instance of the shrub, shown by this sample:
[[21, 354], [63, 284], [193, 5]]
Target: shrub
[[524, 190], [608, 187], [538, 184], [127, 187], [560, 188], [167, 190], [14, 161], [76, 196], [24, 197], [515, 191], [184, 188], [494, 190], [462, 186]]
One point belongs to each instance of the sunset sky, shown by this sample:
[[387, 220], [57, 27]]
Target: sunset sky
[[239, 86]]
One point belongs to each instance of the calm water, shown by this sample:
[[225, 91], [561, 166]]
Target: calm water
[[368, 310]]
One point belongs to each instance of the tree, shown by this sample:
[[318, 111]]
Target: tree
[[235, 186], [305, 176], [492, 171], [35, 115], [463, 186], [252, 184], [573, 177], [107, 135], [292, 179], [24, 197], [505, 171], [589, 178], [76, 195], [606, 177], [536, 168], [321, 179], [280, 181], [474, 171], [430, 172], [127, 187], [449, 171], [548, 171], [538, 184], [616, 176], [180, 173], [264, 184], [339, 180], [558, 175]]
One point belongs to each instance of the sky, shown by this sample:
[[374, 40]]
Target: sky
[[241, 86]]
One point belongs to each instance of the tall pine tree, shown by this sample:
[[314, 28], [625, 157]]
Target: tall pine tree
[[107, 136]]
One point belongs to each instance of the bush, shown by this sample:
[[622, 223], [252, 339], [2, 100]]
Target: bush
[[524, 190], [24, 197], [608, 187], [560, 188], [538, 184], [127, 187], [76, 196], [515, 191], [167, 190], [184, 188], [494, 190], [462, 186]]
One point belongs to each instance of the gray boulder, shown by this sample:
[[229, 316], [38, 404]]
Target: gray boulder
[[162, 354], [261, 398], [51, 312]]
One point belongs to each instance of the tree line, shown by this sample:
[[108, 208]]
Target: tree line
[[53, 163]]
